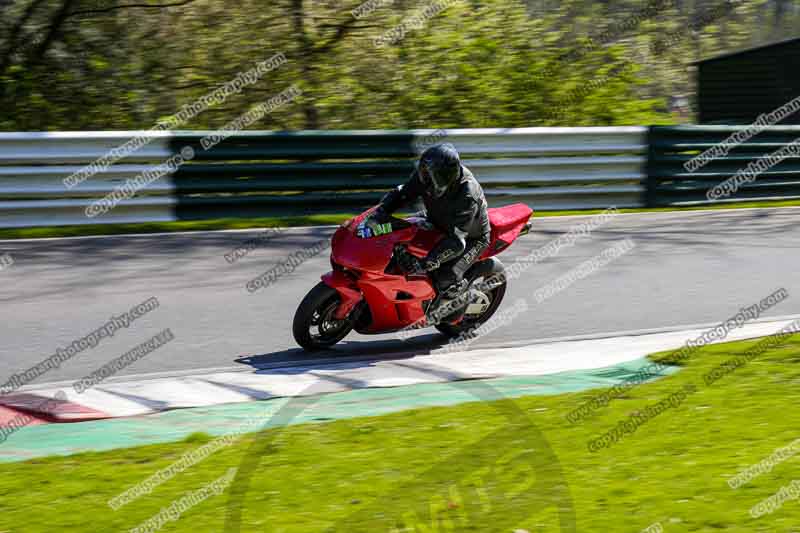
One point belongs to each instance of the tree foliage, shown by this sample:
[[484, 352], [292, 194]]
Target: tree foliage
[[125, 64]]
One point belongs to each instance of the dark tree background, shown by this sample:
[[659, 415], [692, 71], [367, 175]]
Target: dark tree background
[[124, 64]]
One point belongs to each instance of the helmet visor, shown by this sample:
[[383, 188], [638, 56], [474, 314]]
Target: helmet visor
[[425, 173], [439, 189], [429, 179]]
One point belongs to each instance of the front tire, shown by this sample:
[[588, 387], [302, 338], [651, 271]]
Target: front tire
[[314, 327]]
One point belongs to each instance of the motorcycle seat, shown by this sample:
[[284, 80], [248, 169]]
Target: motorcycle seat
[[508, 221]]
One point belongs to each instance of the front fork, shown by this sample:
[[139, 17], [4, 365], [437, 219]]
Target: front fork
[[347, 289]]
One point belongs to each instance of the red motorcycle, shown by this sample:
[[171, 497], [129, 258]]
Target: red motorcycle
[[369, 291]]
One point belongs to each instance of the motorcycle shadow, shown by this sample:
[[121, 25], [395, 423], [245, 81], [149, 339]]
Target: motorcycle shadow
[[347, 351]]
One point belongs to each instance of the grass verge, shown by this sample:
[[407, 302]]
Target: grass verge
[[482, 466], [309, 220]]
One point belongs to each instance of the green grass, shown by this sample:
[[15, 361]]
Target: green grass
[[482, 466], [720, 206], [159, 227], [307, 220]]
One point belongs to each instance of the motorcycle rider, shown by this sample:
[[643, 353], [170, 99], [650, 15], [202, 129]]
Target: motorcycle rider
[[455, 205]]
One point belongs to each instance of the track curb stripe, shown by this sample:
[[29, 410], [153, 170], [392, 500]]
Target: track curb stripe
[[46, 408], [146, 396]]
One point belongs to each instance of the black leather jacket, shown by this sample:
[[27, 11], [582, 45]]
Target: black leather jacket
[[461, 214]]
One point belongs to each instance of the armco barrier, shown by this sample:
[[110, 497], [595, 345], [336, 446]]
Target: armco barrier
[[669, 183], [253, 174]]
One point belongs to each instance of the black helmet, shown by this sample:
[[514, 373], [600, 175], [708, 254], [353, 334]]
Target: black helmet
[[439, 167]]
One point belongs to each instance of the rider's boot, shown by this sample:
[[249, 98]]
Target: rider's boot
[[449, 304]]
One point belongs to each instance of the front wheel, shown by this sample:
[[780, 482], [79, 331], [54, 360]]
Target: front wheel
[[491, 274], [314, 326]]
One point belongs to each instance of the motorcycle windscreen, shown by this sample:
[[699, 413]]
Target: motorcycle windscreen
[[366, 254]]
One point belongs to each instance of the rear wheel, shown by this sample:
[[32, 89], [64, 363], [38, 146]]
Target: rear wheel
[[483, 303], [314, 326]]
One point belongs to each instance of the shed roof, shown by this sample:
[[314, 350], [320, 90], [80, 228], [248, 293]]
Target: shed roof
[[786, 43]]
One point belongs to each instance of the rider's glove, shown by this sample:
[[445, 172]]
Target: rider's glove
[[422, 223], [380, 215]]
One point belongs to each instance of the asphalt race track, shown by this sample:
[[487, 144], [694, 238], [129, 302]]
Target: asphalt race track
[[692, 267]]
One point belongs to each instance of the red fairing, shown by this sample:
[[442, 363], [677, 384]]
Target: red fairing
[[507, 223], [373, 255], [395, 302], [346, 287], [394, 299]]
